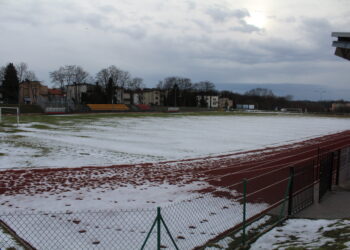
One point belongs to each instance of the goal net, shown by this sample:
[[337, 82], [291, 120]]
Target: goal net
[[9, 111]]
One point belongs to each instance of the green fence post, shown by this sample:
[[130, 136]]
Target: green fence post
[[290, 198], [149, 233], [158, 220], [338, 168], [158, 228], [285, 198], [244, 211]]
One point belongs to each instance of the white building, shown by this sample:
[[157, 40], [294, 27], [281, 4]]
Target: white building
[[151, 97], [75, 91], [212, 101], [225, 102]]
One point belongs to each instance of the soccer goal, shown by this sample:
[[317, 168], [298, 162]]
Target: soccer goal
[[9, 110]]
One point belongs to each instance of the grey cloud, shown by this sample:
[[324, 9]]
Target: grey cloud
[[317, 30], [88, 20], [166, 25], [202, 25], [191, 5], [102, 22], [201, 54], [133, 31], [108, 8], [246, 28], [254, 52], [220, 14], [146, 18], [290, 19], [67, 14], [315, 23]]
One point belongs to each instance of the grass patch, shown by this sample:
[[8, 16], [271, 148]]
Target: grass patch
[[41, 126], [340, 236], [75, 119], [296, 248], [12, 243], [235, 237], [334, 236]]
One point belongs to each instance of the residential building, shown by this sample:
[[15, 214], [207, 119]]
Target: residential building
[[225, 103], [119, 95], [32, 92], [76, 90], [56, 98], [212, 101], [132, 97], [137, 97], [152, 97], [345, 106], [127, 97]]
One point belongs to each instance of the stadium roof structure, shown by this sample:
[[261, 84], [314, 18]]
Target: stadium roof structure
[[342, 46]]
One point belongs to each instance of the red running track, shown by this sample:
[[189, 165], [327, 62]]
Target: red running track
[[222, 171]]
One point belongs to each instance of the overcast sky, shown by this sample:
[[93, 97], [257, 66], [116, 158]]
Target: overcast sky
[[236, 41]]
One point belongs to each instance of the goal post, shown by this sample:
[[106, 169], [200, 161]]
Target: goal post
[[11, 108]]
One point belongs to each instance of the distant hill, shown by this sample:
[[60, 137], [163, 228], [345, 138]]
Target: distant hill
[[298, 91]]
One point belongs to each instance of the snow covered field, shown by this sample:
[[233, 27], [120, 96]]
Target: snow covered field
[[74, 141], [108, 140]]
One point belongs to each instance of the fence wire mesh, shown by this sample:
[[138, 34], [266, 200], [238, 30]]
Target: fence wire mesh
[[77, 230], [344, 170], [264, 198]]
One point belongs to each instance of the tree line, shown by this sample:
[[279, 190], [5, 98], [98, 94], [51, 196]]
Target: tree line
[[177, 91]]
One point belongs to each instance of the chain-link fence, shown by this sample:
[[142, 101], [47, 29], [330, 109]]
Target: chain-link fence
[[183, 225], [240, 210]]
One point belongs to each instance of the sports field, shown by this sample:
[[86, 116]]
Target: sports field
[[82, 162], [153, 158], [107, 139]]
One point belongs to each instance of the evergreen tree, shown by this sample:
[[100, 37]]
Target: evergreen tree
[[11, 84]]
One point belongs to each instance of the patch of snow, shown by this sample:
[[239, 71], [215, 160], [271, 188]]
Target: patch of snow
[[117, 140], [299, 232]]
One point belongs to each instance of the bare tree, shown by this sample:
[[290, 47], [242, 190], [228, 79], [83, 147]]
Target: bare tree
[[103, 77], [58, 76], [21, 71], [260, 92], [120, 78], [30, 76], [24, 74], [79, 74], [123, 78], [205, 86], [184, 83], [135, 83], [167, 83], [68, 75]]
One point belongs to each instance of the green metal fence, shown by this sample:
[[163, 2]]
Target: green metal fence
[[230, 216]]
